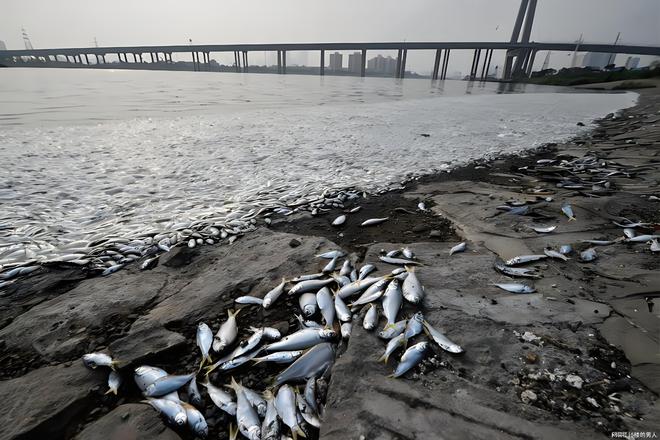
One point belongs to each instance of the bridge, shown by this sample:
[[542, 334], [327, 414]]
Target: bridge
[[520, 52]]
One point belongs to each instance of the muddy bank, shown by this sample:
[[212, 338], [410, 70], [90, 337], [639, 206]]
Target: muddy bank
[[594, 321]]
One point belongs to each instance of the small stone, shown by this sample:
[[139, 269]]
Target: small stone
[[580, 124], [528, 396], [531, 358], [575, 381], [294, 243], [530, 337], [593, 402], [435, 234], [420, 228]]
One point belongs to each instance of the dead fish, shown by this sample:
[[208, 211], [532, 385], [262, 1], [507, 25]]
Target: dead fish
[[346, 269], [307, 302], [370, 318], [313, 363], [306, 411], [565, 249], [93, 360], [227, 333], [331, 254], [522, 259], [114, 382], [356, 287], [112, 269], [309, 286], [412, 289], [271, 333], [273, 295], [310, 394], [285, 403], [248, 420], [302, 339], [366, 270], [421, 206], [392, 330], [515, 287], [194, 396], [339, 220], [395, 343], [458, 248], [643, 238], [354, 210], [326, 305], [398, 261], [568, 211], [372, 293], [392, 299], [279, 357], [629, 232], [172, 411], [414, 326], [247, 299], [393, 253], [543, 229], [341, 309], [167, 384], [588, 255], [204, 340], [501, 267], [145, 375], [196, 421], [311, 276], [221, 398], [374, 221], [442, 341], [410, 358], [554, 254], [655, 246], [598, 242], [149, 263], [270, 427], [346, 328], [255, 399], [330, 267]]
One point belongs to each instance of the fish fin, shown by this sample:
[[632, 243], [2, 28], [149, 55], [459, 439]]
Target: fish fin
[[383, 359], [210, 369], [233, 314], [391, 376], [409, 268], [571, 219], [111, 391], [257, 360], [233, 384], [233, 432], [114, 365], [297, 430]]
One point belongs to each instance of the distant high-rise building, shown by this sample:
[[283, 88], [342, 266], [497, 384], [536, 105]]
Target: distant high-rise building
[[3, 46], [596, 59], [632, 62], [381, 65], [336, 61], [355, 62]]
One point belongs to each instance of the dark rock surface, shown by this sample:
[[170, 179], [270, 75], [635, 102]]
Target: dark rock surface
[[129, 422]]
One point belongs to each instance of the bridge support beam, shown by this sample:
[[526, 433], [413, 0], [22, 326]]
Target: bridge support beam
[[436, 65], [279, 61], [445, 64], [397, 74], [245, 61], [284, 62], [322, 68], [363, 67], [402, 73]]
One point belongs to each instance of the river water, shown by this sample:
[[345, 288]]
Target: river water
[[93, 153]]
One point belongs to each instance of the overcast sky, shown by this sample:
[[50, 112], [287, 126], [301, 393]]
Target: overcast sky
[[75, 23]]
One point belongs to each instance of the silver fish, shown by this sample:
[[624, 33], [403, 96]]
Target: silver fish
[[346, 328], [395, 343], [354, 210], [311, 276], [167, 384], [331, 254], [568, 211], [221, 398], [149, 263], [341, 280], [392, 330], [374, 221], [227, 333], [313, 363], [196, 421], [343, 313], [655, 246], [93, 360], [414, 326], [370, 318], [515, 287], [598, 242], [421, 206], [114, 382], [410, 358], [372, 293], [458, 248], [366, 270], [588, 255], [309, 323], [522, 259], [398, 261], [310, 394], [145, 375], [285, 402], [273, 294], [501, 267], [565, 249], [112, 269], [204, 341], [194, 396], [248, 420], [392, 299], [643, 238], [339, 220], [247, 299], [172, 411], [629, 232], [409, 254], [309, 286], [301, 340], [255, 399], [272, 334], [307, 302], [543, 229], [394, 253], [306, 411], [346, 269], [270, 427], [412, 289], [356, 287], [442, 341], [330, 267], [554, 254], [327, 306], [279, 357]]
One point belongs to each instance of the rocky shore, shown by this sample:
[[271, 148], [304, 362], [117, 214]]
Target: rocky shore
[[579, 358]]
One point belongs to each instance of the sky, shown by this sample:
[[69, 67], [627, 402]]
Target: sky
[[76, 23]]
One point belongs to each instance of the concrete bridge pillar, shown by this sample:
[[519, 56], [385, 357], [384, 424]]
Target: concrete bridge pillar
[[436, 64], [322, 69], [397, 74], [284, 62], [245, 61], [445, 64], [363, 67], [86, 59]]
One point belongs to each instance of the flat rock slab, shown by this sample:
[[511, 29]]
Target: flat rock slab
[[46, 400], [129, 422]]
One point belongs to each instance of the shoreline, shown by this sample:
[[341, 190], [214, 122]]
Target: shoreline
[[55, 318]]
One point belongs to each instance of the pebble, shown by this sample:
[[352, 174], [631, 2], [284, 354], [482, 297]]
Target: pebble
[[575, 381], [294, 243], [528, 396]]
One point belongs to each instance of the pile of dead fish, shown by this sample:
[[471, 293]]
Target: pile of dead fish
[[330, 303], [24, 252]]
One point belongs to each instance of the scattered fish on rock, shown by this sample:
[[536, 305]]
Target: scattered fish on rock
[[374, 221], [458, 248]]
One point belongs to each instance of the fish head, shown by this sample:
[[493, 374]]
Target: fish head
[[180, 418], [327, 333], [422, 346], [419, 317], [89, 361], [201, 429], [254, 433], [309, 310], [230, 408], [267, 302]]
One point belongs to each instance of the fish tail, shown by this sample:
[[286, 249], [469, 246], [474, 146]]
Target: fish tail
[[570, 219], [233, 384], [233, 314], [111, 391], [383, 358], [258, 360], [114, 365], [233, 432], [297, 430], [209, 370]]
